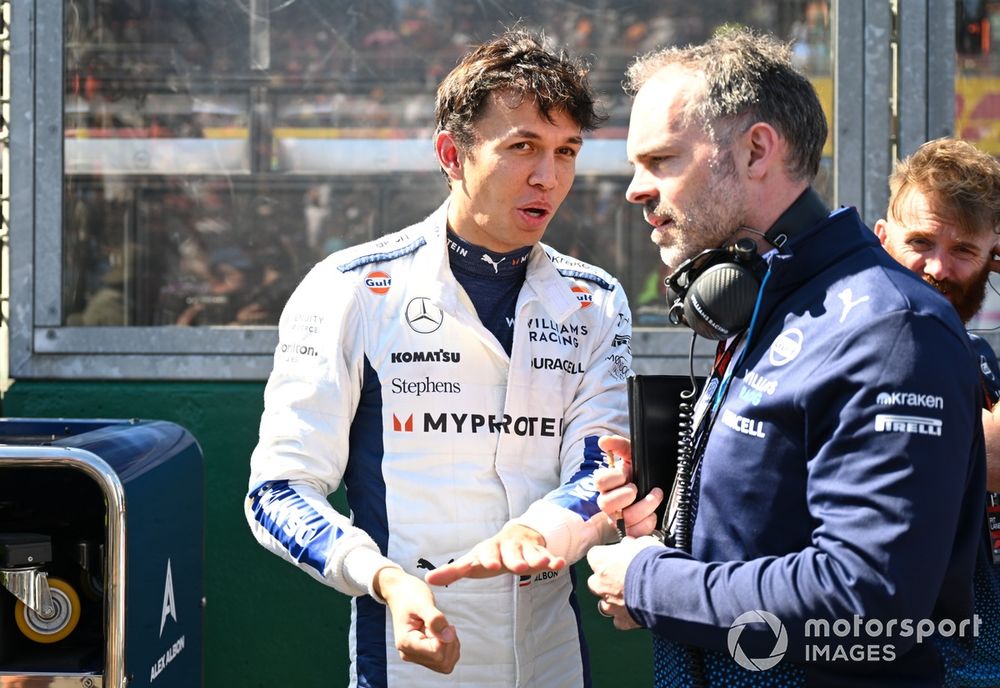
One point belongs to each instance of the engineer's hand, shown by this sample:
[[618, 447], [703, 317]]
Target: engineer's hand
[[423, 634], [618, 493], [609, 563], [515, 549]]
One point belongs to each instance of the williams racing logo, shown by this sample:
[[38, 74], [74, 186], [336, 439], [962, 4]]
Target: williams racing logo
[[916, 425], [475, 423], [545, 330]]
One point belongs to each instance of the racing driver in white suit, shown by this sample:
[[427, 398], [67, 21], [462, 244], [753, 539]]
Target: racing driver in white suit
[[455, 376]]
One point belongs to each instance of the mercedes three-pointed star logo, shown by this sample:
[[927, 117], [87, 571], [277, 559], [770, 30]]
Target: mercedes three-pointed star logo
[[423, 316]]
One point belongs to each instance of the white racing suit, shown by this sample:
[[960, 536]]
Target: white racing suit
[[385, 379]]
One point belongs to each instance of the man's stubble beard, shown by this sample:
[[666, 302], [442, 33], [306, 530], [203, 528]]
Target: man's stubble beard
[[711, 218]]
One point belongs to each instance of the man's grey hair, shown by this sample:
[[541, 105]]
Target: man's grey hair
[[748, 78]]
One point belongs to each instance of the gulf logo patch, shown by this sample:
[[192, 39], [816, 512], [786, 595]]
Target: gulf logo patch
[[583, 296], [378, 282]]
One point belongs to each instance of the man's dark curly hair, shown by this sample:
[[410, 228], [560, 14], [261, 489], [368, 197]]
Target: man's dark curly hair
[[516, 64]]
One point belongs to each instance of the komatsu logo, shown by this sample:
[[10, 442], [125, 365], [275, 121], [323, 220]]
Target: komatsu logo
[[439, 356], [917, 425], [909, 399]]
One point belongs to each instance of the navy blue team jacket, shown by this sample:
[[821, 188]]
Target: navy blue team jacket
[[975, 662], [843, 478]]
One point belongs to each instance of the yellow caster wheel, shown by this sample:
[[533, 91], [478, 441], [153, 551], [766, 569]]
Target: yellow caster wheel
[[67, 615]]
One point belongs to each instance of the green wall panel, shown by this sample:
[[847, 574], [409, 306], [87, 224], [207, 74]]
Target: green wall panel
[[266, 623]]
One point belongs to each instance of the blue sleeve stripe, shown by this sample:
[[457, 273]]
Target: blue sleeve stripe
[[579, 495], [384, 255], [304, 533], [589, 276]]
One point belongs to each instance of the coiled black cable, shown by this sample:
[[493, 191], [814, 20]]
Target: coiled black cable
[[684, 516], [685, 455]]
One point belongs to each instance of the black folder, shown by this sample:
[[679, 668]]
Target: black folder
[[654, 407]]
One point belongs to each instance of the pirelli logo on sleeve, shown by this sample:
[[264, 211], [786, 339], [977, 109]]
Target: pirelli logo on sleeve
[[915, 425]]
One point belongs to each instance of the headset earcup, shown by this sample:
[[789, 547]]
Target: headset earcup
[[720, 301]]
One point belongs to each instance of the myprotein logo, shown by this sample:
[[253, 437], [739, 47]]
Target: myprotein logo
[[378, 282], [914, 425], [475, 423], [757, 616], [457, 249], [423, 316]]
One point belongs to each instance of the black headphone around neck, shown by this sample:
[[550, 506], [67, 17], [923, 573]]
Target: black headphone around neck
[[715, 292]]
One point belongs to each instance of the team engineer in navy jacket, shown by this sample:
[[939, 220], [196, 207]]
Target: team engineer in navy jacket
[[839, 471]]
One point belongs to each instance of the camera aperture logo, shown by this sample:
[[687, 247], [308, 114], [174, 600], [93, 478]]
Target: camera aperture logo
[[757, 616], [857, 639]]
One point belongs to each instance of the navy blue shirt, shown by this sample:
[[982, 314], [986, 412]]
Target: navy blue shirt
[[852, 485], [976, 661], [493, 281]]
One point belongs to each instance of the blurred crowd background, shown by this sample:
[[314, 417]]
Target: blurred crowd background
[[217, 149]]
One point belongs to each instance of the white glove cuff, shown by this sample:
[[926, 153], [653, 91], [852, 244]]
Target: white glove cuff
[[356, 569]]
